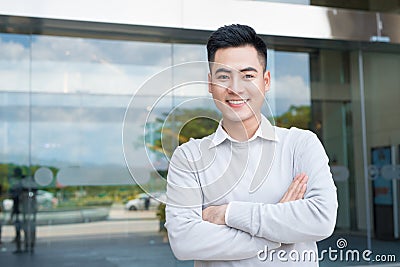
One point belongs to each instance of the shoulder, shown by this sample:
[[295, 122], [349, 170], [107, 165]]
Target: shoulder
[[297, 139], [293, 135], [301, 134], [307, 145]]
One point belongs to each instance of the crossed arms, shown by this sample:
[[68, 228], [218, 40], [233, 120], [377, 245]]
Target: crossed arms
[[303, 214], [296, 191]]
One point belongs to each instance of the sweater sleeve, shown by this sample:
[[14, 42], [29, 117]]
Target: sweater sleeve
[[310, 219], [190, 237]]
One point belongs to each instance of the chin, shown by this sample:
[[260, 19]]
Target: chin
[[237, 117]]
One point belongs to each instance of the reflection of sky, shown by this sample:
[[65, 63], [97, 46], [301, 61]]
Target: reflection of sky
[[81, 88], [69, 65], [76, 132], [292, 80], [20, 39], [66, 49]]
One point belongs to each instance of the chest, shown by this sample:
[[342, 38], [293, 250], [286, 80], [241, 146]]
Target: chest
[[258, 173]]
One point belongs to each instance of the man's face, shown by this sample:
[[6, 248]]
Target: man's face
[[237, 83]]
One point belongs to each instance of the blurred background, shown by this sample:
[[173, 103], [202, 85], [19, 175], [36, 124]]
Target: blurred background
[[81, 114]]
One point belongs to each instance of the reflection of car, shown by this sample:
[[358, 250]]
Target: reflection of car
[[8, 204], [44, 199], [139, 203]]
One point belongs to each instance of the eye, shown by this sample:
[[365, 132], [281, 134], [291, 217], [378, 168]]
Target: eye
[[223, 77], [249, 76]]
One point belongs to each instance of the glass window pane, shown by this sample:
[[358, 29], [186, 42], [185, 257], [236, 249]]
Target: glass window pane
[[78, 65], [290, 94]]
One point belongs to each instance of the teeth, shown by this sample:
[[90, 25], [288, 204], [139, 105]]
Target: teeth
[[237, 102]]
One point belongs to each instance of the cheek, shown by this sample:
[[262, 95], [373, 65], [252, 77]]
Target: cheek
[[217, 92], [258, 97], [257, 85], [257, 91]]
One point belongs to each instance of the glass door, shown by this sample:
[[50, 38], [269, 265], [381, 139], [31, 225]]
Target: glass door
[[316, 90], [381, 82]]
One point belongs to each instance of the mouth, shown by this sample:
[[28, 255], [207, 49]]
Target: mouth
[[237, 102]]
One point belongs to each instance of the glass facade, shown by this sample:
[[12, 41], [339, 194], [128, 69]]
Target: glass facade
[[383, 137], [64, 101]]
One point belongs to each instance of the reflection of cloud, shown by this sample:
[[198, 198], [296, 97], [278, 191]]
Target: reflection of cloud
[[189, 52], [63, 64], [13, 51], [70, 65], [292, 63], [66, 49], [291, 90], [14, 66]]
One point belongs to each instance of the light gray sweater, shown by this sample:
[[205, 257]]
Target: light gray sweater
[[252, 177]]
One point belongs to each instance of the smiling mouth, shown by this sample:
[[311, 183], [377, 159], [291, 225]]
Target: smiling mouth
[[237, 102]]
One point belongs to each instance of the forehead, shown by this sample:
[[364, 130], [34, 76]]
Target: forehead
[[237, 58]]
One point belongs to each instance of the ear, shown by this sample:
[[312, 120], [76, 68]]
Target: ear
[[267, 81], [209, 83]]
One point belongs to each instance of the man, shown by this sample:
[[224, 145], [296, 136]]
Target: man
[[250, 194]]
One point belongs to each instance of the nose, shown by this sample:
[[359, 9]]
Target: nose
[[235, 87]]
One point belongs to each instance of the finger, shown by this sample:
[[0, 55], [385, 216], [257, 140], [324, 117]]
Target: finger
[[283, 199], [288, 194], [299, 187], [293, 188], [296, 181], [302, 188], [299, 176], [302, 192]]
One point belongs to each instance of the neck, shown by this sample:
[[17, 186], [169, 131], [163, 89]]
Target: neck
[[242, 130]]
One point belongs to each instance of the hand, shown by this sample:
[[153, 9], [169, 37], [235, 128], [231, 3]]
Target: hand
[[296, 189], [215, 214]]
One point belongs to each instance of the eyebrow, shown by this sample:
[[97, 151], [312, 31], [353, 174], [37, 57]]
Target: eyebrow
[[222, 70], [229, 71], [248, 69]]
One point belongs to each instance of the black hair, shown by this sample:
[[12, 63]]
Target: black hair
[[236, 35]]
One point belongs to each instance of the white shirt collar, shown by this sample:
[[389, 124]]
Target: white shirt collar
[[265, 131]]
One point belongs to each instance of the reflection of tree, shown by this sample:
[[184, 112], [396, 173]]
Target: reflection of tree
[[7, 171], [3, 179], [177, 128], [299, 117]]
